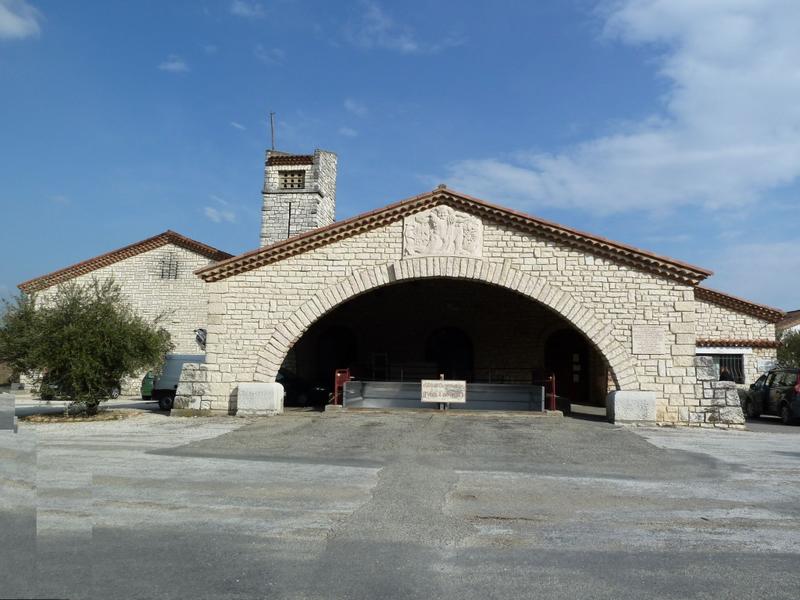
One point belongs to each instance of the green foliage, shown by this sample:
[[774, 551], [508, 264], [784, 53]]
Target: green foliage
[[789, 350], [80, 343], [19, 333]]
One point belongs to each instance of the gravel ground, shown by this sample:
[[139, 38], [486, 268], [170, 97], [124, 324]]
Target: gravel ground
[[396, 505]]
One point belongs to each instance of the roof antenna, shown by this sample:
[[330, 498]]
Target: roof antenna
[[272, 128]]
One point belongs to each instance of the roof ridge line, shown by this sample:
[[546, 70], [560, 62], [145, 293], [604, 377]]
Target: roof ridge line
[[735, 302], [666, 266], [113, 256]]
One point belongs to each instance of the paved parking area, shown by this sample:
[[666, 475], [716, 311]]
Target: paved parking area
[[397, 505]]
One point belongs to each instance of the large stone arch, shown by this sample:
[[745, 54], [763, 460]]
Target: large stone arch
[[501, 274]]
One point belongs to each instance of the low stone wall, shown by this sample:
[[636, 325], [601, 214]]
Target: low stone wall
[[191, 397], [720, 406]]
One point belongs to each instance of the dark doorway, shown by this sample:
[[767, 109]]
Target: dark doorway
[[337, 348], [450, 349], [566, 355]]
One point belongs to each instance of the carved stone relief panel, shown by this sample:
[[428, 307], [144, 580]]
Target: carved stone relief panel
[[442, 231]]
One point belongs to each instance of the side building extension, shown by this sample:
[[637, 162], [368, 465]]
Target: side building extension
[[157, 279]]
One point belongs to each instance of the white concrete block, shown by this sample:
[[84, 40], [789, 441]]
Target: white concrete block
[[631, 407], [259, 399]]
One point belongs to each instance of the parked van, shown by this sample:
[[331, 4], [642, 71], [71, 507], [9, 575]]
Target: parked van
[[162, 387]]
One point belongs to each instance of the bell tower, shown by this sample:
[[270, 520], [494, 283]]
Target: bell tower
[[299, 194]]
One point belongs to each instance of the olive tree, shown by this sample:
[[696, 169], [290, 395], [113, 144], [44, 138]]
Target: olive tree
[[80, 343]]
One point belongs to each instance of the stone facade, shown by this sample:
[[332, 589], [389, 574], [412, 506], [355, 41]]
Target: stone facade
[[719, 322], [180, 303], [290, 211], [255, 317], [644, 316], [158, 284], [719, 404], [730, 331]]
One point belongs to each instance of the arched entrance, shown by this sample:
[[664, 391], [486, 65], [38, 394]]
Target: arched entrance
[[494, 274]]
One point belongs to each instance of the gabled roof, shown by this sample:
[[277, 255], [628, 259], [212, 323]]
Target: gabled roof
[[316, 238], [762, 311], [109, 258]]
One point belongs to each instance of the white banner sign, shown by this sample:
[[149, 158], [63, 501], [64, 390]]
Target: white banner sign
[[444, 391]]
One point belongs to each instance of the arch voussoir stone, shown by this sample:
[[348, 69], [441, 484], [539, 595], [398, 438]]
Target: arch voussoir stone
[[502, 274]]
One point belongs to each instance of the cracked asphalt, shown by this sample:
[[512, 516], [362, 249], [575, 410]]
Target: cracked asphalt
[[396, 505]]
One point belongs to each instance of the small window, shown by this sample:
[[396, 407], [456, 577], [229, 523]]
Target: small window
[[292, 180], [730, 367], [169, 266]]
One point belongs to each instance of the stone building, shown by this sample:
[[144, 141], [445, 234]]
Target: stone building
[[444, 283], [156, 277]]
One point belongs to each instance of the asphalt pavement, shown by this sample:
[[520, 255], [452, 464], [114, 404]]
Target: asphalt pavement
[[397, 505]]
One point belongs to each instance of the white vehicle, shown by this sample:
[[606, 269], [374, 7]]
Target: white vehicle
[[166, 383]]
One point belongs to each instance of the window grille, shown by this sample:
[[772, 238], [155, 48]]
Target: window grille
[[729, 367], [169, 266], [292, 180]]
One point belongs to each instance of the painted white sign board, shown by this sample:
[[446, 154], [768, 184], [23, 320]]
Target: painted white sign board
[[444, 391]]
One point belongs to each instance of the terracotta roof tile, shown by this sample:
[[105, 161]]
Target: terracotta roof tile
[[109, 258], [290, 159], [736, 343], [762, 311], [615, 251]]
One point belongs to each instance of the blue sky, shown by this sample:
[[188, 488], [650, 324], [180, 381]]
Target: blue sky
[[673, 125]]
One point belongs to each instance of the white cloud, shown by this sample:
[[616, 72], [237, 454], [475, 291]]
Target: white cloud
[[219, 215], [238, 126], [174, 64], [248, 10], [348, 131], [374, 28], [355, 107], [18, 20], [728, 130], [273, 56]]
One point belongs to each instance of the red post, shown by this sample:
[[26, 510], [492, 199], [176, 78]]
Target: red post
[[340, 377]]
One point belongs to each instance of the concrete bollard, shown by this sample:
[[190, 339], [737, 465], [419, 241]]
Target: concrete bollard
[[260, 399], [632, 407]]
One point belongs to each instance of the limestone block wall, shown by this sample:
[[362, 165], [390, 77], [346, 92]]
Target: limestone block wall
[[720, 406], [245, 309], [180, 303], [722, 323], [719, 322], [753, 363], [624, 297]]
